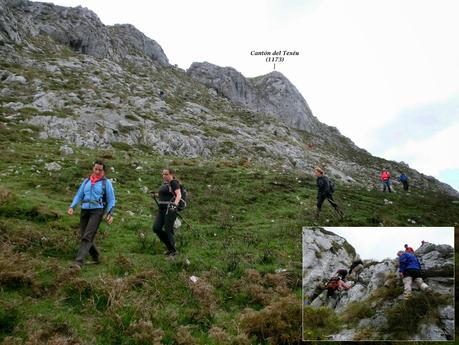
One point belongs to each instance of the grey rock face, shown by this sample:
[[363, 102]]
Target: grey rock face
[[15, 79], [430, 332], [437, 260], [346, 335], [79, 28], [323, 255], [272, 94], [111, 93], [53, 166], [129, 38], [65, 150], [280, 97]]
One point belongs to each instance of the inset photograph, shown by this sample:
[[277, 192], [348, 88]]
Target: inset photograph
[[384, 283]]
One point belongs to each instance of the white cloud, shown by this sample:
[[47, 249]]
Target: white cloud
[[430, 155], [384, 242]]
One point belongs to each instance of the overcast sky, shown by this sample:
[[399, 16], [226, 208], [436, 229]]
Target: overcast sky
[[379, 242], [385, 73]]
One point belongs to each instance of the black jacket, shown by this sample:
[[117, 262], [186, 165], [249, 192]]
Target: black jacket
[[323, 186], [355, 264]]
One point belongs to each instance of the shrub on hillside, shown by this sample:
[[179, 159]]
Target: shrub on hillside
[[357, 311], [17, 271], [319, 323], [263, 289], [405, 316], [143, 332], [277, 323]]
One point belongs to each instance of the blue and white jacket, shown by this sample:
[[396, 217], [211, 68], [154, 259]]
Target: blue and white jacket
[[408, 261], [91, 196]]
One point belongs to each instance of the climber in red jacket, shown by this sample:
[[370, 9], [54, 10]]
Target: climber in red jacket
[[408, 249]]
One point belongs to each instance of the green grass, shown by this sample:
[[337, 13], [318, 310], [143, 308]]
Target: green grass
[[319, 323], [246, 222], [357, 311], [405, 316]]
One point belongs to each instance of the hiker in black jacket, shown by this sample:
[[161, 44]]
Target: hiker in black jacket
[[169, 197], [324, 192]]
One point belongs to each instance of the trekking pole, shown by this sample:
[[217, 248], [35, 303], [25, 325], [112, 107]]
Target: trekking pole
[[184, 220], [191, 228]]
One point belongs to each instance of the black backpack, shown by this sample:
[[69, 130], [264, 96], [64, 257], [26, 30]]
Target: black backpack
[[331, 186], [183, 200]]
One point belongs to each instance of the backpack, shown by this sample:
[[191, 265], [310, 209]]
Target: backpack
[[104, 188], [331, 186], [183, 201], [342, 273]]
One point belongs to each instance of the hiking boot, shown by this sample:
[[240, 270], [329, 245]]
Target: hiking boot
[[316, 215], [340, 213], [75, 266], [95, 261], [172, 254]]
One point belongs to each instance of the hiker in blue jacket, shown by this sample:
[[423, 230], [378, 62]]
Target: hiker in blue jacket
[[404, 180], [410, 269], [97, 197]]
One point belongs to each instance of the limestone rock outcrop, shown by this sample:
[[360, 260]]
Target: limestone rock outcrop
[[93, 85], [78, 28]]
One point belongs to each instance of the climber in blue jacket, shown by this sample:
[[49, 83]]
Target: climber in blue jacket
[[410, 269]]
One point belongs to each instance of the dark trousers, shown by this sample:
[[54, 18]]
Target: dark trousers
[[405, 185], [386, 184], [322, 197], [413, 273], [89, 223], [165, 220]]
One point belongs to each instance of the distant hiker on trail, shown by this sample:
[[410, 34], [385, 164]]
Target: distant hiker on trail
[[96, 196], [356, 268], [410, 269], [424, 242], [162, 95], [385, 179], [404, 180], [169, 198], [408, 249], [325, 189]]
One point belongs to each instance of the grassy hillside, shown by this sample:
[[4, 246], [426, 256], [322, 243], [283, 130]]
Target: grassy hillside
[[244, 246]]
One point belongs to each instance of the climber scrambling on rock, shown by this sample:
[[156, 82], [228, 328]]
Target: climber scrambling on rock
[[325, 189], [410, 270], [356, 268], [330, 296], [408, 249]]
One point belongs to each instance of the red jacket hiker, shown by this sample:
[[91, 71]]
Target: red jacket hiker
[[385, 175]]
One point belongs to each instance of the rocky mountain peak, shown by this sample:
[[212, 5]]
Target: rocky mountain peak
[[78, 28], [271, 94], [75, 73]]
